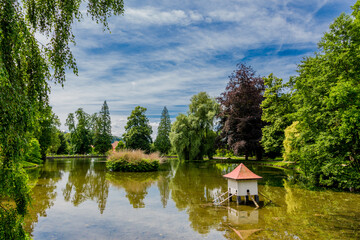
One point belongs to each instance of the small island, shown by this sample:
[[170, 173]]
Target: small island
[[133, 161]]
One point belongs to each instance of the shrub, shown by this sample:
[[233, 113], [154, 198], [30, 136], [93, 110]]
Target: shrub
[[33, 153], [223, 152], [120, 146], [133, 161]]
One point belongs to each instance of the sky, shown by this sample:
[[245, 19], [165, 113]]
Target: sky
[[162, 52]]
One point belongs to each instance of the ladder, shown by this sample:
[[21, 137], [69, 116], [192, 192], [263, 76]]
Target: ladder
[[221, 199]]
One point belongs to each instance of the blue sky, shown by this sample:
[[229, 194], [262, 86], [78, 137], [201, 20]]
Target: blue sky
[[161, 52]]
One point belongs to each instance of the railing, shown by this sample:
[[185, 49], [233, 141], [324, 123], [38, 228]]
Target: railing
[[219, 198]]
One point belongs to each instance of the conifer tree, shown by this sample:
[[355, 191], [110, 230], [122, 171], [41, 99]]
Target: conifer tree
[[138, 131], [162, 141], [103, 135]]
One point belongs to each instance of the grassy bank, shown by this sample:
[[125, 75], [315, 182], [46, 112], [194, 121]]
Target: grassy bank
[[75, 156], [277, 162]]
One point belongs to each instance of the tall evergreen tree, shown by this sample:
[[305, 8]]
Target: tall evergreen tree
[[102, 139], [162, 141], [240, 113], [138, 131]]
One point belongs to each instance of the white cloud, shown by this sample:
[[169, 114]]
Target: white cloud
[[151, 15], [162, 54]]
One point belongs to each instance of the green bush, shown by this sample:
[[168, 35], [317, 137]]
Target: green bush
[[33, 153], [223, 152], [133, 161], [145, 165], [120, 146]]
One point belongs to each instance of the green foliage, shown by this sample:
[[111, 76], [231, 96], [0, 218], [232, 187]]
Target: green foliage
[[120, 146], [133, 161], [81, 134], [102, 138], [184, 137], [276, 112], [46, 131], [162, 142], [11, 225], [33, 154], [24, 72], [144, 165], [292, 136], [138, 131], [63, 147], [13, 187], [326, 96], [192, 135], [223, 152]]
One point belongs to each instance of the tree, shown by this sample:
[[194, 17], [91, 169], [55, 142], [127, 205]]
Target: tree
[[120, 146], [102, 138], [47, 132], [240, 112], [137, 130], [291, 149], [327, 101], [192, 135], [81, 131], [162, 141], [276, 113], [63, 147], [33, 154], [184, 137], [24, 74]]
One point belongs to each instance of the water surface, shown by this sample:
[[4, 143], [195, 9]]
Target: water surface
[[80, 199]]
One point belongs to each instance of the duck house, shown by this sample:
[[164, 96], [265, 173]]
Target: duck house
[[243, 183]]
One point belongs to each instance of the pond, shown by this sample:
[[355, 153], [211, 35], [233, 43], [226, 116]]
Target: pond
[[80, 199]]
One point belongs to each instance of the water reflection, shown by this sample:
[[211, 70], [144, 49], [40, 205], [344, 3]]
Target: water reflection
[[135, 185], [92, 203], [87, 181], [237, 217], [43, 184]]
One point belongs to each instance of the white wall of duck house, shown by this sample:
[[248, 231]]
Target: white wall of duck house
[[240, 187]]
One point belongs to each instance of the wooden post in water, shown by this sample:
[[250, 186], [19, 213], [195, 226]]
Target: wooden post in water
[[247, 197], [238, 199], [257, 198]]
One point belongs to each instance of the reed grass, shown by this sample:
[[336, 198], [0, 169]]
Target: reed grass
[[133, 161]]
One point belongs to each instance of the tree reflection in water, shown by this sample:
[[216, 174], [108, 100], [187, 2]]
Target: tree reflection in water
[[135, 185], [192, 187], [87, 181], [184, 196], [43, 184]]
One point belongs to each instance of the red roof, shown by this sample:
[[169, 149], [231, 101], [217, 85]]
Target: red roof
[[241, 172], [114, 144]]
